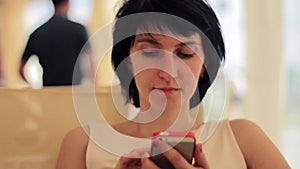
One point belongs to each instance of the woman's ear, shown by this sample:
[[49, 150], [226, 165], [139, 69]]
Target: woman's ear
[[129, 64], [202, 71]]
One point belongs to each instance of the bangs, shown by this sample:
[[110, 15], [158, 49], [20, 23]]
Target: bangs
[[164, 26]]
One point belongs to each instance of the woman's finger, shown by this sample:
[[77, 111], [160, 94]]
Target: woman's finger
[[177, 160], [147, 163], [123, 162], [129, 161], [200, 159]]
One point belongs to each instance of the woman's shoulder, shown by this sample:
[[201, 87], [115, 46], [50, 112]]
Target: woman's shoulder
[[75, 139], [257, 148], [243, 124], [81, 133], [247, 132], [73, 148]]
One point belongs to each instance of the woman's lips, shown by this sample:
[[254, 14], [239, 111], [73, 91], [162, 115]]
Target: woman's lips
[[168, 89]]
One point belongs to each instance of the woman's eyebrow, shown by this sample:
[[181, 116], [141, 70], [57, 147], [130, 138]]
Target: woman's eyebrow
[[148, 40], [188, 43]]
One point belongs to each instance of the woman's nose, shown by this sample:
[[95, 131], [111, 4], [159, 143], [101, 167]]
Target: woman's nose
[[168, 68]]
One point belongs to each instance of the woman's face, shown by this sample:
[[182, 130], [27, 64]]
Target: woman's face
[[169, 63]]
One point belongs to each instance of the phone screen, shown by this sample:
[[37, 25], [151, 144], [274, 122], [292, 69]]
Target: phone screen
[[184, 145]]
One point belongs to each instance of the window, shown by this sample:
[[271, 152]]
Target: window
[[291, 123]]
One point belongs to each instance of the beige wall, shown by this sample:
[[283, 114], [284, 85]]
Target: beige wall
[[264, 99], [12, 38], [1, 56], [102, 15]]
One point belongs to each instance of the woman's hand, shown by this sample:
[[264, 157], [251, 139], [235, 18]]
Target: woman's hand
[[132, 160], [178, 161], [139, 159], [200, 159]]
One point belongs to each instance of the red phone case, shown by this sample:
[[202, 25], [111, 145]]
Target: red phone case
[[174, 133]]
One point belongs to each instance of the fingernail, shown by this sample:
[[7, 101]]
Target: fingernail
[[200, 147], [145, 154]]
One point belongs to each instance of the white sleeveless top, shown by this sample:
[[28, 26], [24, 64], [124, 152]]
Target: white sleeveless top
[[220, 149]]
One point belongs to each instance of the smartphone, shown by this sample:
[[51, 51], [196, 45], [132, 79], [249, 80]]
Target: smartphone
[[183, 142]]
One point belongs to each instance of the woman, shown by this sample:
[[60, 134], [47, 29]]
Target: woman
[[166, 60]]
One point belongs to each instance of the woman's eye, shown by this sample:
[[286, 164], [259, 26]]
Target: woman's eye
[[150, 52], [185, 55]]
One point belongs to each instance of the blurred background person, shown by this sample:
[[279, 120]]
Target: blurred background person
[[57, 44]]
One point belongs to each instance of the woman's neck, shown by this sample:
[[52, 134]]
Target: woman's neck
[[171, 118], [156, 118]]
